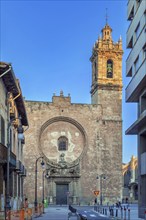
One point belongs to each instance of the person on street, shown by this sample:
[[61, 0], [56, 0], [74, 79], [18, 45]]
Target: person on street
[[26, 203]]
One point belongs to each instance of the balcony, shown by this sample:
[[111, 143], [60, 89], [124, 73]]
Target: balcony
[[138, 125], [24, 172], [135, 52], [3, 156], [130, 9], [12, 160], [136, 85], [138, 17], [20, 168]]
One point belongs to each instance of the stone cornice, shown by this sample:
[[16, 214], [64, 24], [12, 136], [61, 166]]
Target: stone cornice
[[109, 86]]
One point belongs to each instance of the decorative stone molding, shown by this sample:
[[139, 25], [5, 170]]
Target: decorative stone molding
[[66, 165]]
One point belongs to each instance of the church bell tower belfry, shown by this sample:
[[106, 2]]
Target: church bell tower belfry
[[106, 61]]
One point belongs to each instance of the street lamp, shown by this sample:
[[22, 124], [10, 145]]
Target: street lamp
[[36, 170], [20, 138], [101, 177], [43, 191]]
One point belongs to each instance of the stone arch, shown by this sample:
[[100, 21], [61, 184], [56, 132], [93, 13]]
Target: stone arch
[[71, 121]]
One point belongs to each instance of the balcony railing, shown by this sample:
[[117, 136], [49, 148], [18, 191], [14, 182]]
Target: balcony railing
[[3, 156], [14, 165], [20, 168], [23, 171]]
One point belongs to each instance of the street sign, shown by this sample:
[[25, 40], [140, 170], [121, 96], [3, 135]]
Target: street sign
[[96, 192]]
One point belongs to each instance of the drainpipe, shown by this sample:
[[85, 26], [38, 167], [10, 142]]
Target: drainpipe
[[6, 72]]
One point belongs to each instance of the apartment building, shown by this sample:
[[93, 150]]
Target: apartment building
[[13, 120], [136, 89]]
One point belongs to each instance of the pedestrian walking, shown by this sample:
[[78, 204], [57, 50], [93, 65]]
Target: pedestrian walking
[[95, 201], [26, 203]]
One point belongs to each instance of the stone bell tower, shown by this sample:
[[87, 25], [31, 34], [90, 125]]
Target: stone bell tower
[[106, 88]]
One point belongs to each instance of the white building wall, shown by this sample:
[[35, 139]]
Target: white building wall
[[135, 91]]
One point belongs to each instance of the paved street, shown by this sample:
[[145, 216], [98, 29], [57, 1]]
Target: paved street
[[61, 213]]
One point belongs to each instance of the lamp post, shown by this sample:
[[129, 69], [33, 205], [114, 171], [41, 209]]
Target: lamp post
[[36, 170], [43, 183], [101, 177], [20, 138]]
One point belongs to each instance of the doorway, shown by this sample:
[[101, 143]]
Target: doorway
[[61, 194]]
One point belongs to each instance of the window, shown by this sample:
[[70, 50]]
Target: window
[[109, 69], [2, 130], [131, 14], [144, 51], [137, 31], [136, 64], [130, 45], [143, 102], [62, 143], [137, 3]]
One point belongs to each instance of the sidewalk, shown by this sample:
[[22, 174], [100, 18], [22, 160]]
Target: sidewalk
[[134, 212], [55, 213]]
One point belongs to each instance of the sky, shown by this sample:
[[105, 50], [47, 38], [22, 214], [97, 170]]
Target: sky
[[49, 44]]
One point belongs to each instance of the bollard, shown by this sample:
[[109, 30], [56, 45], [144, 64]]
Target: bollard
[[21, 214], [110, 210], [8, 215], [124, 213], [95, 208], [121, 213], [40, 209], [128, 214], [103, 211]]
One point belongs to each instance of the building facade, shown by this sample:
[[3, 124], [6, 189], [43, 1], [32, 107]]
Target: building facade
[[136, 89], [130, 180], [78, 142], [11, 139]]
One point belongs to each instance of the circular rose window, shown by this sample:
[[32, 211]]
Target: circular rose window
[[62, 136]]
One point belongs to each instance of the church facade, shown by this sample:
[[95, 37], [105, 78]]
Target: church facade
[[81, 144]]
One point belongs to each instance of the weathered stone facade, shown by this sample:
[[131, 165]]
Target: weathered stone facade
[[130, 180], [91, 134]]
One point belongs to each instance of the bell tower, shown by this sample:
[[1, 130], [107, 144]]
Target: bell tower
[[106, 59]]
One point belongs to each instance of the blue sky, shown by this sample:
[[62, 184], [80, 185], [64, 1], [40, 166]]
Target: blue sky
[[49, 44]]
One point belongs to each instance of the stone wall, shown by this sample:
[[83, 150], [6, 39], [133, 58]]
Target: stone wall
[[102, 149]]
